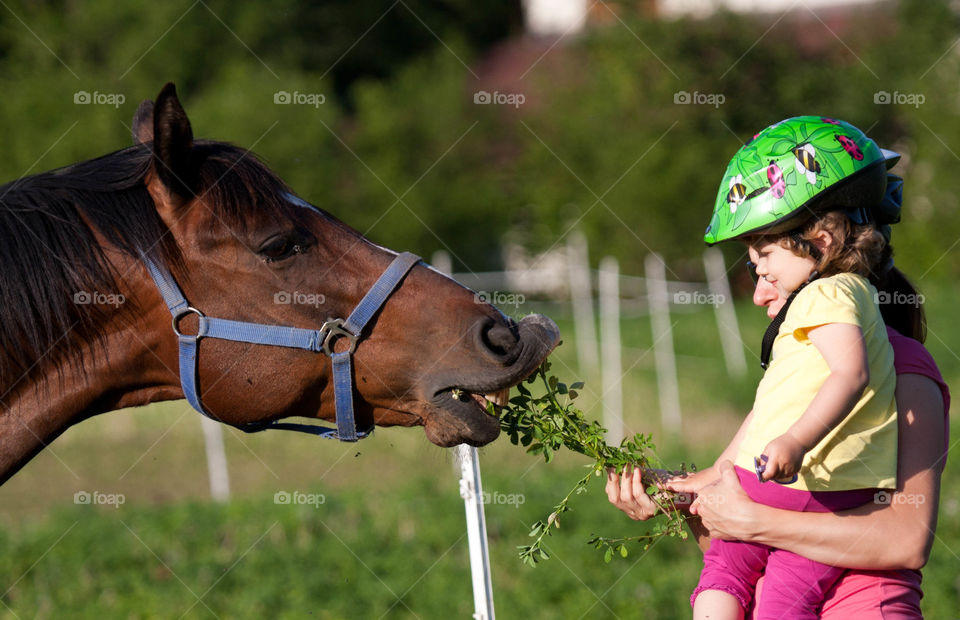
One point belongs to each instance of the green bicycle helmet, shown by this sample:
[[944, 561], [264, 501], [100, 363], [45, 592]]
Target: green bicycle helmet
[[800, 167]]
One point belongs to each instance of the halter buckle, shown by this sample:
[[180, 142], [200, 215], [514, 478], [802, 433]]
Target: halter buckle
[[182, 313], [334, 329]]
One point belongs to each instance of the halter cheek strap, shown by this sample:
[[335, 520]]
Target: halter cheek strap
[[323, 340]]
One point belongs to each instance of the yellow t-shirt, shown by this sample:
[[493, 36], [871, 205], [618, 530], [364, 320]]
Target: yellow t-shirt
[[861, 452]]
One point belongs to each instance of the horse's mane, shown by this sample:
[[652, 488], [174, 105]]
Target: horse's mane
[[51, 256]]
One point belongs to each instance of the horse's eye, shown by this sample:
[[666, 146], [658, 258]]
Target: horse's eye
[[278, 249]]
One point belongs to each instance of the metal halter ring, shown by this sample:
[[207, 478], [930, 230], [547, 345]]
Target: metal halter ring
[[333, 329], [182, 313]]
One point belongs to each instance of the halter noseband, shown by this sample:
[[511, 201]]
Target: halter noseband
[[316, 340]]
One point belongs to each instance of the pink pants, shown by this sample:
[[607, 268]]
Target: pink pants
[[795, 587], [869, 595]]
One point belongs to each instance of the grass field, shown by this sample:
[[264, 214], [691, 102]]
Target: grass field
[[383, 534]]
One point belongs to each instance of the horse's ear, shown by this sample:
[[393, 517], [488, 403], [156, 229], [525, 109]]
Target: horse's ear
[[143, 122], [172, 143]]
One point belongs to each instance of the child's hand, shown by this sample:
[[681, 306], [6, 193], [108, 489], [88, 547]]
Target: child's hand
[[784, 457]]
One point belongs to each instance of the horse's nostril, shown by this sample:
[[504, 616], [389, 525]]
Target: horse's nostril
[[498, 339]]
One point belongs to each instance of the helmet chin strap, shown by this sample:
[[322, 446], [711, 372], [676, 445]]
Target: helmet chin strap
[[766, 348]]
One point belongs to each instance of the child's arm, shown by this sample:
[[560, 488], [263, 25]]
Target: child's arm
[[845, 352], [691, 483]]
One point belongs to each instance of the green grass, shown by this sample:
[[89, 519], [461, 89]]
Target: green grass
[[389, 539]]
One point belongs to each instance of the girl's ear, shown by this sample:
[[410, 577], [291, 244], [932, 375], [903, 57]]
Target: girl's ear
[[822, 240]]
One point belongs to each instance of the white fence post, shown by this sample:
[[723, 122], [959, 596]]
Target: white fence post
[[581, 295], [611, 368], [441, 262], [216, 459], [725, 312], [656, 278]]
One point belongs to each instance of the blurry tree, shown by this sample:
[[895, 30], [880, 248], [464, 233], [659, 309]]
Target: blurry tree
[[599, 142]]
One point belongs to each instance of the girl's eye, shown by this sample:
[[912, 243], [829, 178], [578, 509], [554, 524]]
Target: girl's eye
[[278, 249]]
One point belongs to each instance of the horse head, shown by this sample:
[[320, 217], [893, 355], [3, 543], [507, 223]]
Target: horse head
[[244, 247]]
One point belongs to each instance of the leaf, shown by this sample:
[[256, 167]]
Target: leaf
[[576, 385], [608, 555], [623, 551]]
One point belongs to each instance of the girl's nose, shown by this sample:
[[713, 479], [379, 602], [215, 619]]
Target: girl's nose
[[764, 293]]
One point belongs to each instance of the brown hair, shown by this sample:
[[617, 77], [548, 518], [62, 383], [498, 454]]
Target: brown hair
[[860, 249]]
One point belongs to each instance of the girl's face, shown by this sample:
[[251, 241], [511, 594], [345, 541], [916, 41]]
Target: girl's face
[[780, 267]]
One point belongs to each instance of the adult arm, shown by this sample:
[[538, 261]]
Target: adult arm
[[894, 534]]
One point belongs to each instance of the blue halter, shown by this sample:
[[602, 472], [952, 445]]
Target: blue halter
[[316, 340]]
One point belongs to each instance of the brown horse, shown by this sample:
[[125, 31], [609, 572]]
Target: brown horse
[[84, 329]]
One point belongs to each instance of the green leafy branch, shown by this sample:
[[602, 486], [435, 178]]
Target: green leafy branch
[[545, 424]]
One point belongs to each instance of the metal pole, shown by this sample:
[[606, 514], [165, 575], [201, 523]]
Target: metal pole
[[471, 490]]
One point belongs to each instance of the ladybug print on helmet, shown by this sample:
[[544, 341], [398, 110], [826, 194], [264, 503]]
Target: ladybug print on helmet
[[775, 176], [850, 147]]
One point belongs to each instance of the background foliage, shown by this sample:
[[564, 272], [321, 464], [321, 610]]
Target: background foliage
[[400, 150]]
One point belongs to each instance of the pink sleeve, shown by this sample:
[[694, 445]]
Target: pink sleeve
[[911, 357]]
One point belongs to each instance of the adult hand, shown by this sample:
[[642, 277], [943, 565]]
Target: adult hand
[[724, 508], [628, 492]]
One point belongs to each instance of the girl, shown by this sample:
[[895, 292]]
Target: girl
[[811, 198]]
